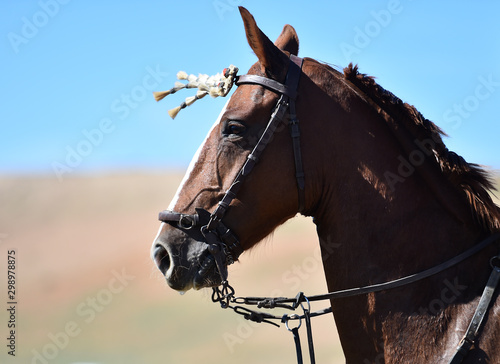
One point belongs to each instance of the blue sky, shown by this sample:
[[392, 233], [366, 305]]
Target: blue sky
[[78, 76]]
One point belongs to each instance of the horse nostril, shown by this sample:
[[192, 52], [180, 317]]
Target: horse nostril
[[162, 259]]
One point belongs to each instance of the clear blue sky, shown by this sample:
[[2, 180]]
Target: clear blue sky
[[72, 67]]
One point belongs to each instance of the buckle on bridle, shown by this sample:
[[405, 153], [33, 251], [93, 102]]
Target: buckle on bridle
[[188, 221]]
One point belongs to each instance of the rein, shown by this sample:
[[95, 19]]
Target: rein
[[224, 246], [227, 299]]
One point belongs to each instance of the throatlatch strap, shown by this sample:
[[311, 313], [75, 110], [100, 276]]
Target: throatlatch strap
[[293, 77]]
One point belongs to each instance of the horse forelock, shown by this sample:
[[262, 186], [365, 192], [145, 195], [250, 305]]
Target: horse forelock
[[472, 179]]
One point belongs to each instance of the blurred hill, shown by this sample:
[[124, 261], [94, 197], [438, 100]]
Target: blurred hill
[[88, 291]]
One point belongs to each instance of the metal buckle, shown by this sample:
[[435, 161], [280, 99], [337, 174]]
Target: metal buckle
[[187, 222]]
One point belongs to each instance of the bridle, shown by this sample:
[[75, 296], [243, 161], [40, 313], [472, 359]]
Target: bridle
[[225, 248]]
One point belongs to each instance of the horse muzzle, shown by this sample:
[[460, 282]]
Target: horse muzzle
[[184, 262], [191, 255]]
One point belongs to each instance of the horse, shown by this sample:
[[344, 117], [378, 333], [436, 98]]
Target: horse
[[387, 197]]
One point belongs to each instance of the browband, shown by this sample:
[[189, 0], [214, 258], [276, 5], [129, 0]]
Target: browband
[[267, 83]]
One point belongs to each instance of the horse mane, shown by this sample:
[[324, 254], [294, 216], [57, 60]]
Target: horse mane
[[472, 179]]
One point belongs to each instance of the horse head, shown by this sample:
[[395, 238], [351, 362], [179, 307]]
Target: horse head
[[184, 247]]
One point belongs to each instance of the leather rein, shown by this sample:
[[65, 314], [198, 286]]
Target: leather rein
[[225, 248]]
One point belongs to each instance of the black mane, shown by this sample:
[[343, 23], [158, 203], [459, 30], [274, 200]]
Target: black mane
[[471, 178]]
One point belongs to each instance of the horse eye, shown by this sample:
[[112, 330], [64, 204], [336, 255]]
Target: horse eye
[[234, 128]]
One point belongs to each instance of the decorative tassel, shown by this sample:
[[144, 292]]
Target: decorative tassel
[[201, 94], [214, 92], [192, 78], [203, 87], [173, 112], [215, 86], [160, 95], [190, 100], [181, 75], [202, 79]]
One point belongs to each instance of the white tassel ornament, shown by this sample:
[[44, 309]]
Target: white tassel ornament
[[215, 86], [173, 112], [181, 75]]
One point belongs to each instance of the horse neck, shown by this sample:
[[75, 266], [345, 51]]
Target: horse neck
[[372, 232], [387, 235], [379, 241], [370, 192]]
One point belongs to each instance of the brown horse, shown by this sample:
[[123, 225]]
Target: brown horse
[[388, 199]]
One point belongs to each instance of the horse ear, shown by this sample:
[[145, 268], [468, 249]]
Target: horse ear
[[272, 59], [288, 40]]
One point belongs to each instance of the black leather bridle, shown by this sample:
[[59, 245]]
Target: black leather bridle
[[224, 246]]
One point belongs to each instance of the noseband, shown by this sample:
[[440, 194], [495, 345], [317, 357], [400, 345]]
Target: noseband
[[224, 246]]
